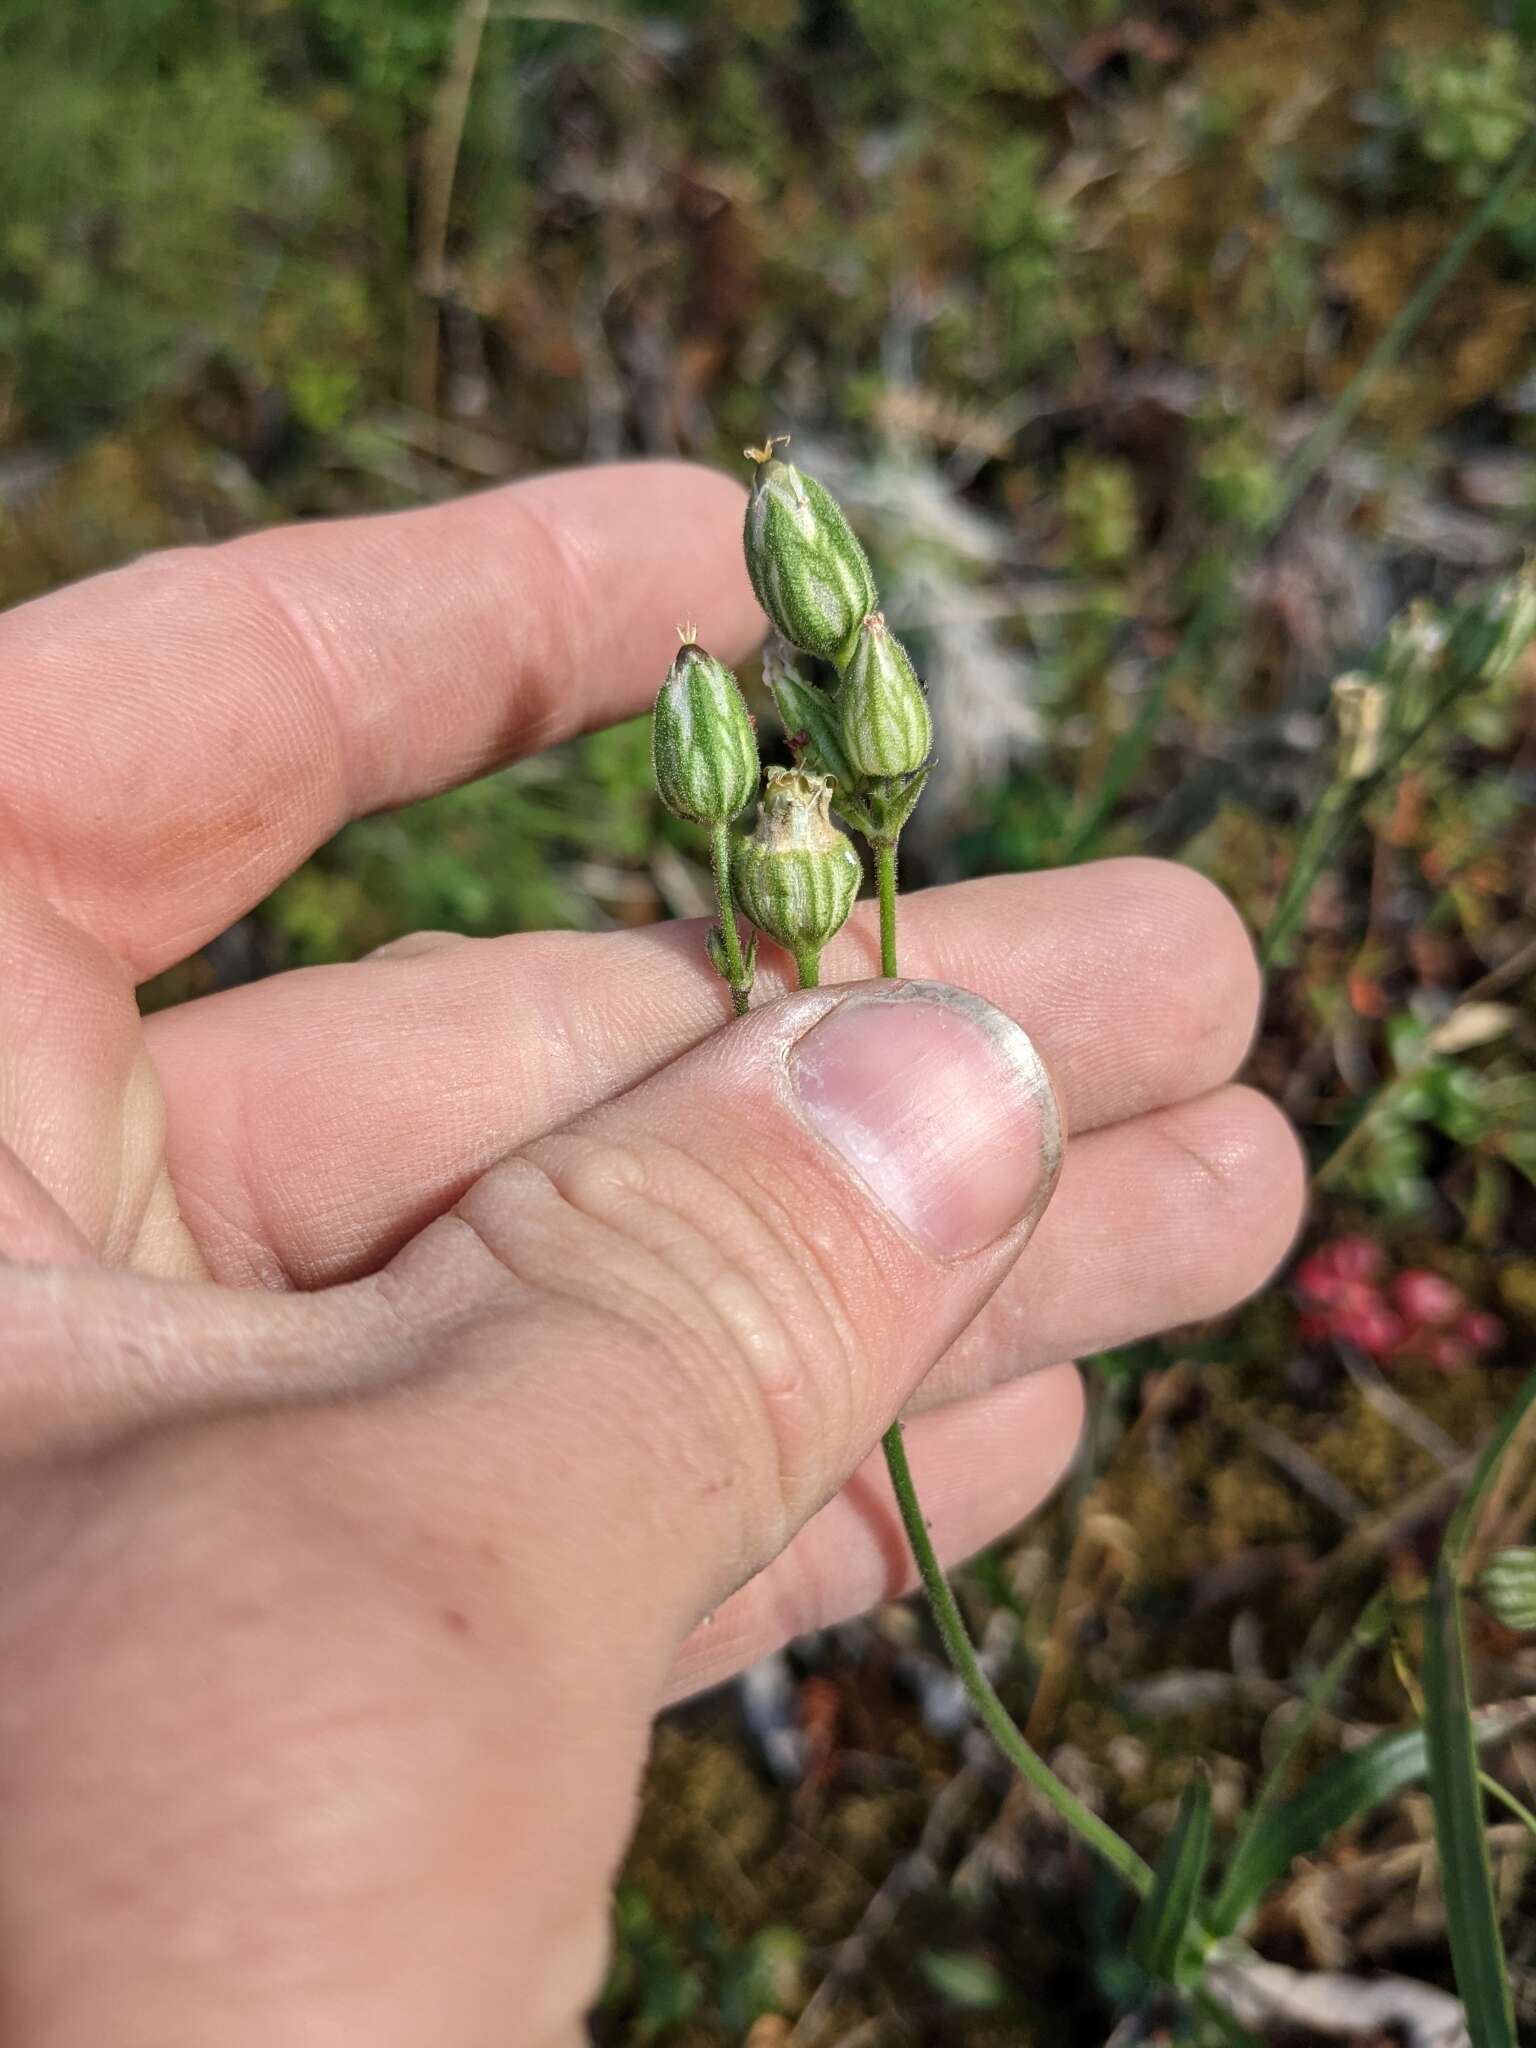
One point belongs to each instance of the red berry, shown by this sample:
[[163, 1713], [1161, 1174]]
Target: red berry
[[1317, 1279], [1357, 1257], [1371, 1327], [1480, 1329], [1449, 1354], [1425, 1297]]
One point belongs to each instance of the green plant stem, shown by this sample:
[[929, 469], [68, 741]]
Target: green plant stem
[[1324, 828], [1507, 1798], [994, 1716], [885, 881], [808, 967], [730, 937], [950, 1622], [1134, 744]]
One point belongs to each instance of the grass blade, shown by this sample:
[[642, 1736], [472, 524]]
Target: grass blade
[[1466, 1872], [1166, 1919], [805, 710], [1345, 1788]]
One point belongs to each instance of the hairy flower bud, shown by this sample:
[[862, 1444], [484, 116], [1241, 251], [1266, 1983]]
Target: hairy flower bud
[[882, 711], [797, 876], [1506, 1586], [811, 576], [703, 748]]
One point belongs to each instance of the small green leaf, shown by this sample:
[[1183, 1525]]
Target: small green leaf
[[810, 721], [719, 959], [890, 804], [965, 1981], [1345, 1788], [1160, 1935], [1466, 1874]]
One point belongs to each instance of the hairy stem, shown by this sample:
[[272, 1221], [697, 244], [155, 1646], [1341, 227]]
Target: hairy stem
[[808, 966], [885, 879], [950, 1622], [994, 1716], [730, 937]]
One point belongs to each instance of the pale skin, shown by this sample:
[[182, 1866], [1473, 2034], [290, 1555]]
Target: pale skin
[[400, 1361]]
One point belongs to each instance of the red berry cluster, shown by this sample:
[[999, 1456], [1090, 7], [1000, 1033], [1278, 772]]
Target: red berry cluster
[[1410, 1317]]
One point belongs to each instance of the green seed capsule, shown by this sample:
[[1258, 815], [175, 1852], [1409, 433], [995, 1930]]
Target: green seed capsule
[[1506, 1586], [811, 576], [797, 876], [882, 712], [703, 748]]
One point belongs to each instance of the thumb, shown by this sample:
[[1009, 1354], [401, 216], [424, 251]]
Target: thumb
[[749, 1261], [383, 1667]]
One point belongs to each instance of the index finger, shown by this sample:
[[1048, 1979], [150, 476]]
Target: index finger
[[181, 733]]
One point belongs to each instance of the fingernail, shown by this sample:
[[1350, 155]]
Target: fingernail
[[940, 1104]]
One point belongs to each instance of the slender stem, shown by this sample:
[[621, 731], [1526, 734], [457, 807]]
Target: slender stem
[[885, 879], [808, 967], [994, 1716], [1324, 828], [948, 1619], [1507, 1798], [730, 937]]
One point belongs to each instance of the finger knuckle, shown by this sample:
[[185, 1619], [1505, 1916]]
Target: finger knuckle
[[706, 1276], [1240, 1160]]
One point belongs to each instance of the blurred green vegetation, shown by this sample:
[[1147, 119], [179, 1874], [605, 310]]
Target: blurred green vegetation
[[1052, 295]]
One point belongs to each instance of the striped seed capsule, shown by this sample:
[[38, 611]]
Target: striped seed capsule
[[1506, 1586], [703, 748], [882, 711], [811, 576], [797, 876]]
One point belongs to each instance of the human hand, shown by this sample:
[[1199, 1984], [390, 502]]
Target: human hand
[[399, 1362]]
